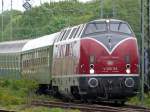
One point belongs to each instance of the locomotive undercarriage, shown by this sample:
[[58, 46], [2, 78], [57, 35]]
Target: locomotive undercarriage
[[97, 88], [109, 87]]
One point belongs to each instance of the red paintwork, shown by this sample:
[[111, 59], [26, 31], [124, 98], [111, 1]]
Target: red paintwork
[[90, 47]]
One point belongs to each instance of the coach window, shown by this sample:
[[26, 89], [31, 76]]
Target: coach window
[[3, 62], [11, 61], [40, 55], [6, 61], [48, 52], [16, 62], [7, 64], [36, 54], [0, 60]]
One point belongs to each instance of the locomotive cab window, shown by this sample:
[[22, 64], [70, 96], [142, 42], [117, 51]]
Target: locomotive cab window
[[95, 27], [120, 27]]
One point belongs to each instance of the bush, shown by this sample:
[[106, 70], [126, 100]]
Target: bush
[[15, 92], [136, 100], [44, 109]]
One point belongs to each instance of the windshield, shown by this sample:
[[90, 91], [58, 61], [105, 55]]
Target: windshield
[[112, 26], [120, 27], [95, 27]]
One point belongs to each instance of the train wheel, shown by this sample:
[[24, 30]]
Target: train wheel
[[56, 92], [123, 102], [75, 92]]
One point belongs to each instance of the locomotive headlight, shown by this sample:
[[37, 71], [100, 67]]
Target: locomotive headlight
[[128, 70], [92, 69]]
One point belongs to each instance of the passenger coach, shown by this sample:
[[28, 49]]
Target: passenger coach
[[10, 60]]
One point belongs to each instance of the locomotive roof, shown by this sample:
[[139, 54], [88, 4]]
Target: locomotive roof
[[40, 42], [12, 46], [115, 20]]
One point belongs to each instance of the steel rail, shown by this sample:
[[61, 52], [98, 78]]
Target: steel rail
[[89, 108]]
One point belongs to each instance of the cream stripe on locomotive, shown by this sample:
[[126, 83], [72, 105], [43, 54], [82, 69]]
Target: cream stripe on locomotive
[[110, 52], [96, 75]]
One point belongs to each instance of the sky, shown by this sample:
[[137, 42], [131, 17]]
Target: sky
[[17, 4]]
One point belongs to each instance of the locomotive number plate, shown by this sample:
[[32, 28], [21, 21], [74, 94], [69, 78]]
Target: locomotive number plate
[[110, 69]]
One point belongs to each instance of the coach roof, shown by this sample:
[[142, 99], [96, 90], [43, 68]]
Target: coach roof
[[12, 46], [40, 42]]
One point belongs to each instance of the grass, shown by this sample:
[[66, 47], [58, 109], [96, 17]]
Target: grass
[[17, 95], [44, 109], [136, 100], [15, 92]]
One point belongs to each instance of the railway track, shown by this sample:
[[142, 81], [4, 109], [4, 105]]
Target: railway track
[[89, 108], [2, 110]]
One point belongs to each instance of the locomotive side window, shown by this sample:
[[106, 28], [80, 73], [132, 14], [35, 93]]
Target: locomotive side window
[[120, 27], [81, 30], [66, 35], [60, 35], [60, 38], [72, 33], [95, 28], [76, 32]]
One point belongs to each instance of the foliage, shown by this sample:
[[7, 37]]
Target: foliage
[[43, 109], [136, 100], [50, 18], [15, 92]]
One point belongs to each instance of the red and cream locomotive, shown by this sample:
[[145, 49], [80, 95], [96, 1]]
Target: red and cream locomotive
[[97, 60]]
